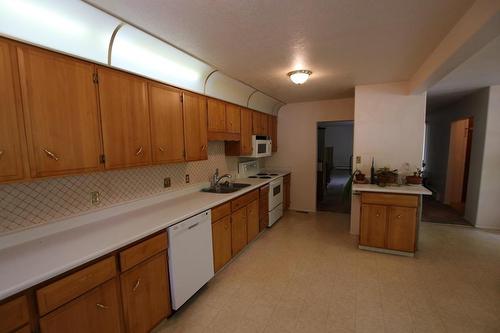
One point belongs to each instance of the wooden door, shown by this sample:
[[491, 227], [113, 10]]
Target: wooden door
[[95, 311], [401, 229], [216, 115], [239, 237], [373, 226], [125, 119], [61, 113], [221, 240], [12, 157], [457, 160], [233, 118], [167, 124], [273, 131], [195, 126], [145, 294], [252, 220]]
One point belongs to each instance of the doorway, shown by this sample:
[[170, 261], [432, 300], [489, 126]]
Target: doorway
[[335, 142], [452, 207]]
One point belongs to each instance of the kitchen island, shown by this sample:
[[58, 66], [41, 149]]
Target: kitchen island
[[389, 217]]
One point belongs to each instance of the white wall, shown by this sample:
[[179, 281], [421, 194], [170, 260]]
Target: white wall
[[438, 140], [389, 126], [340, 137], [488, 213], [297, 140]]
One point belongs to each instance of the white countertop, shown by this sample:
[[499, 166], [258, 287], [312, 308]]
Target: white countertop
[[402, 189], [33, 256]]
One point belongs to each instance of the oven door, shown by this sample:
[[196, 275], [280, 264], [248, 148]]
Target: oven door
[[275, 193]]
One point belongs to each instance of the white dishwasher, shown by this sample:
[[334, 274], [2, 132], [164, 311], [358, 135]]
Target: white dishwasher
[[190, 257]]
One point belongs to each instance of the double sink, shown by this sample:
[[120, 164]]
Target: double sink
[[225, 188]]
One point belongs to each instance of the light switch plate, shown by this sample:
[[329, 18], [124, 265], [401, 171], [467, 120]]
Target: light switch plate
[[95, 197], [187, 179], [358, 159]]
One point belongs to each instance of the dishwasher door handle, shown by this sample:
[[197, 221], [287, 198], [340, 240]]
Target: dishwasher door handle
[[194, 225]]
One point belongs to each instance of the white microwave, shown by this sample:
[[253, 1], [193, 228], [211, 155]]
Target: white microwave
[[261, 146]]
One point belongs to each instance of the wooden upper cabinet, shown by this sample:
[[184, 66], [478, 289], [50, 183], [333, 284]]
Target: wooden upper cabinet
[[233, 118], [259, 123], [373, 225], [195, 126], [11, 120], [216, 115], [125, 119], [244, 146], [272, 127], [61, 113], [167, 129]]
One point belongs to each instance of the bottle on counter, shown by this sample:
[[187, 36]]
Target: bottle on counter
[[372, 172]]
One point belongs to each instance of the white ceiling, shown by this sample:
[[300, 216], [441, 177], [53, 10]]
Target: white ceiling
[[479, 71], [344, 42]]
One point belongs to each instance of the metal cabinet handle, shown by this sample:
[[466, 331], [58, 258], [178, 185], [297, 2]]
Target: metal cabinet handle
[[137, 284], [203, 147], [1, 153], [51, 154], [399, 216], [226, 226], [377, 215], [102, 306], [162, 149], [139, 151]]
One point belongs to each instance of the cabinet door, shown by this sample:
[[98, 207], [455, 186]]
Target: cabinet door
[[221, 240], [125, 119], [167, 128], [195, 126], [239, 230], [373, 227], [61, 113], [252, 220], [216, 115], [95, 311], [246, 132], [273, 131], [233, 119], [401, 230], [256, 126], [264, 123], [145, 294], [11, 121]]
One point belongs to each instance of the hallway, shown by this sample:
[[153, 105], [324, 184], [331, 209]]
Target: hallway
[[333, 198]]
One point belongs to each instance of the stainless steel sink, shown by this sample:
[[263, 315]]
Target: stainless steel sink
[[225, 188]]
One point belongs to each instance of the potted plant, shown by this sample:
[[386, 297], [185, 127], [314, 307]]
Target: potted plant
[[416, 179]]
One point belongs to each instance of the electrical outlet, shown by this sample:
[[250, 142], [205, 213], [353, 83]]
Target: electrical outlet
[[187, 179], [95, 197], [166, 182], [358, 159]]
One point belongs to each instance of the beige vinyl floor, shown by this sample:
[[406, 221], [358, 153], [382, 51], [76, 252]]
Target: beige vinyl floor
[[306, 275]]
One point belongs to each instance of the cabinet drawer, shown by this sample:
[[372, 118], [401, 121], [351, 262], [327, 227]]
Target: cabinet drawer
[[389, 199], [221, 211], [142, 251], [74, 285], [244, 200], [13, 314]]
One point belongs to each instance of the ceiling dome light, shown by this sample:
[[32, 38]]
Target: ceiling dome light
[[300, 76]]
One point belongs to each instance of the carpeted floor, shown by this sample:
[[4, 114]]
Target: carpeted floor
[[436, 212], [332, 200]]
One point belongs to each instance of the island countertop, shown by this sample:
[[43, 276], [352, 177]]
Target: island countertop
[[400, 189]]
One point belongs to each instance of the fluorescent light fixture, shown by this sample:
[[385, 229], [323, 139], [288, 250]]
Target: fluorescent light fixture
[[299, 76]]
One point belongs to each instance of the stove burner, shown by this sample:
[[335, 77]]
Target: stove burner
[[273, 174], [265, 177], [252, 177], [262, 174]]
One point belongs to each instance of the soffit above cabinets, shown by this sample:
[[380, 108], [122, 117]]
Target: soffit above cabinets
[[76, 28]]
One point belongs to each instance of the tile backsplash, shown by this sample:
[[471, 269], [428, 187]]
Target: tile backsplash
[[24, 205]]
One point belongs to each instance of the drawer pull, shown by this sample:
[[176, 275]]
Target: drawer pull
[[1, 153], [136, 284], [399, 216], [51, 154], [377, 215], [203, 147], [102, 306], [162, 149], [226, 226], [139, 151]]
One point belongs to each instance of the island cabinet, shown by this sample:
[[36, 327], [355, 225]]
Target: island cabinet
[[59, 98], [12, 157], [223, 121], [144, 284], [194, 110], [389, 221], [244, 146], [125, 120]]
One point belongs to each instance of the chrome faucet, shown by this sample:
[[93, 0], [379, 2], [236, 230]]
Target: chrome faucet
[[228, 176], [215, 179]]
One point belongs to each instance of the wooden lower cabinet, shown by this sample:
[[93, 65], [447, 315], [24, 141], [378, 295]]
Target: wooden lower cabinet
[[252, 220], [239, 238], [401, 230], [221, 241], [146, 294], [24, 329], [95, 311], [373, 225], [14, 314]]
